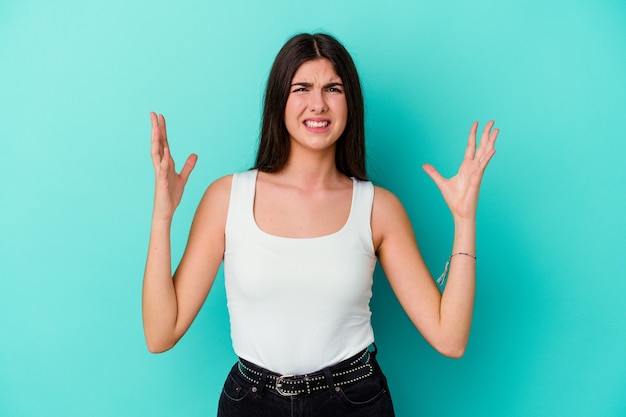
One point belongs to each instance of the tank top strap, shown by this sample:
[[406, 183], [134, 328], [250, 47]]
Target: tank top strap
[[361, 215], [241, 201]]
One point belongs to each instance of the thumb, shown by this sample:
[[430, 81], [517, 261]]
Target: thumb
[[433, 174], [190, 163]]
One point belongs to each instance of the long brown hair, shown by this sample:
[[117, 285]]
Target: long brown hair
[[274, 145]]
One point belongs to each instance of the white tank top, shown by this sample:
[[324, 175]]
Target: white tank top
[[298, 305]]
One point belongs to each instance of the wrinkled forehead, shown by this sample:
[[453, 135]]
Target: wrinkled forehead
[[316, 71]]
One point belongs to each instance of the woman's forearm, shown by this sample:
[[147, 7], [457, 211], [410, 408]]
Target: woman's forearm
[[457, 302], [159, 306]]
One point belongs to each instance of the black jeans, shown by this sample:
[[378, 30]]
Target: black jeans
[[368, 397]]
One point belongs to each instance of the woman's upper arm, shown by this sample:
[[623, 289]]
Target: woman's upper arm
[[400, 258], [203, 255]]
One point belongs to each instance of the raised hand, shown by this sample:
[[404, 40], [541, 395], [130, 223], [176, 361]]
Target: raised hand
[[169, 185], [461, 191]]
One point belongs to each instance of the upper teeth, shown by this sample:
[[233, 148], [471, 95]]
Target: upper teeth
[[311, 123]]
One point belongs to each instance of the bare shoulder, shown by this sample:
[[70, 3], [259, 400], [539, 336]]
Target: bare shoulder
[[384, 197], [388, 215], [220, 188], [214, 204], [386, 204]]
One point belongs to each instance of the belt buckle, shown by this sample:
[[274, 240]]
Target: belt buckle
[[279, 386]]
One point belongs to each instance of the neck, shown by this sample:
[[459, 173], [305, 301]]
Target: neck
[[311, 171]]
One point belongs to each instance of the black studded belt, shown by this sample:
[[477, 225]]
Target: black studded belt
[[346, 372]]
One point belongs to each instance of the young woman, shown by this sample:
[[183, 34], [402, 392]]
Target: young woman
[[299, 236]]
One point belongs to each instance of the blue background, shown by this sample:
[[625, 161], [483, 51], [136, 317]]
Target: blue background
[[78, 78]]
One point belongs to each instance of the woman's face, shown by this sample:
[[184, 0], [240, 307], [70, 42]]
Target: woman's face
[[316, 110]]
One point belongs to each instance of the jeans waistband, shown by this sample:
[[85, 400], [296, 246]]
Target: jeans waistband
[[345, 372]]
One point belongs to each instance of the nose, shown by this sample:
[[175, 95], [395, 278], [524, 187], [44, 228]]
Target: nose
[[318, 102]]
